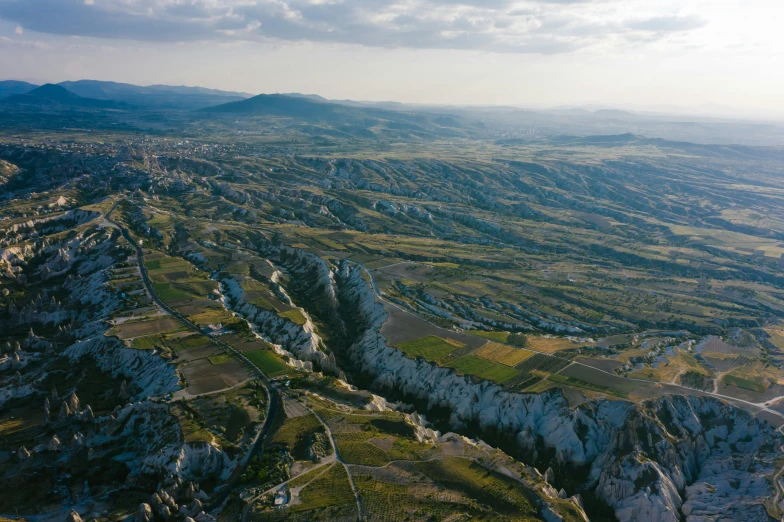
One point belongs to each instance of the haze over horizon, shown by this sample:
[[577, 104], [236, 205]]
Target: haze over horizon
[[701, 56]]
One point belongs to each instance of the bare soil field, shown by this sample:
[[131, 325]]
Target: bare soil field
[[153, 326], [403, 326], [202, 374], [549, 344], [503, 353], [198, 352], [595, 380], [205, 384], [607, 365]]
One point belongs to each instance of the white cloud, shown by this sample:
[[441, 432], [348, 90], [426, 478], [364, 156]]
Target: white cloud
[[19, 30], [524, 26]]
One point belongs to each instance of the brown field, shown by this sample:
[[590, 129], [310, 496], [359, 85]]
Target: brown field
[[607, 365], [403, 326], [717, 345], [503, 353], [776, 336], [150, 327], [549, 344], [245, 345], [203, 376], [197, 352], [594, 380]]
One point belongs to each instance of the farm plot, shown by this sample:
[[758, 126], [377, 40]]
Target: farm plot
[[330, 489], [219, 359], [533, 369], [717, 345], [198, 352], [203, 376], [499, 337], [294, 315], [726, 362], [594, 380], [231, 414], [503, 353], [607, 365], [741, 382], [483, 368], [268, 362], [245, 343], [430, 347], [147, 327], [402, 326], [549, 344], [372, 439]]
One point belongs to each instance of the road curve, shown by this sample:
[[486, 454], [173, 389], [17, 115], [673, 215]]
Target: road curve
[[273, 404]]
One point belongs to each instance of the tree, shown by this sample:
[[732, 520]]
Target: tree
[[517, 339]]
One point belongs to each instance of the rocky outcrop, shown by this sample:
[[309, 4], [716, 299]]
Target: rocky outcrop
[[190, 462], [300, 340], [73, 516], [144, 513], [674, 455], [150, 374]]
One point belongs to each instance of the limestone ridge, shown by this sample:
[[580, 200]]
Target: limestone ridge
[[675, 455]]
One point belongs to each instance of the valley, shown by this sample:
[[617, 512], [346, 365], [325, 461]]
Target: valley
[[254, 314]]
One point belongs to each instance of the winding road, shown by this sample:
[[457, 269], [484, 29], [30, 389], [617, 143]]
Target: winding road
[[273, 404], [337, 458]]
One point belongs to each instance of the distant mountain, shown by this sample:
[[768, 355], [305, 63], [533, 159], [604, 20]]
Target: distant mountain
[[153, 96], [365, 121], [9, 87], [616, 114], [300, 107], [314, 97], [52, 95]]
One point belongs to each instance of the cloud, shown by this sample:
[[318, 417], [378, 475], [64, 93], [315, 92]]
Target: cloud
[[516, 26], [667, 23]]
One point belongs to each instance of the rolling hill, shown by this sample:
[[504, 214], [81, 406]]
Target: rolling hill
[[307, 109], [51, 95], [10, 87], [153, 96]]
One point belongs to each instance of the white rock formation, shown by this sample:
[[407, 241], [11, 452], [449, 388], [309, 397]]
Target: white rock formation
[[151, 375], [646, 463]]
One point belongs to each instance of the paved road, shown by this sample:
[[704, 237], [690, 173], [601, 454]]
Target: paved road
[[273, 405]]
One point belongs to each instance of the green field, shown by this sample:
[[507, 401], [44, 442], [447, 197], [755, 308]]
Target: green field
[[480, 483], [220, 359], [295, 429], [268, 361], [431, 348], [147, 343], [167, 292], [484, 369], [746, 384], [294, 315], [581, 383], [499, 337], [330, 489]]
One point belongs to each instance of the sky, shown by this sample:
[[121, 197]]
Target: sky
[[704, 56]]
